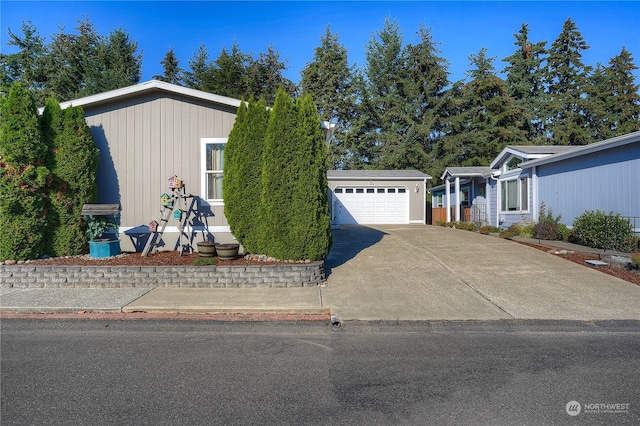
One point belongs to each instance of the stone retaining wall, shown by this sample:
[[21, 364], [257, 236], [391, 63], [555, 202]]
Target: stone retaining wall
[[284, 275]]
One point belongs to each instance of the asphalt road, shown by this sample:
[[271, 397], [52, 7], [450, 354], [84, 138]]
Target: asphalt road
[[93, 372]]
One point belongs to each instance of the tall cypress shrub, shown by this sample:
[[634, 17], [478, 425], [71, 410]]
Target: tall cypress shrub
[[232, 181], [75, 167], [245, 167], [23, 177], [278, 178], [311, 225]]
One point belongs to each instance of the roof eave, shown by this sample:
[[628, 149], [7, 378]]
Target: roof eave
[[586, 149]]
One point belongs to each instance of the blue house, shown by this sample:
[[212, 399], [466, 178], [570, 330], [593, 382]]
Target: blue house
[[567, 179]]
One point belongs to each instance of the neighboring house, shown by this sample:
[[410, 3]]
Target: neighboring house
[[568, 179], [150, 132], [377, 196]]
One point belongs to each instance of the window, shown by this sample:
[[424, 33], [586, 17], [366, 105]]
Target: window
[[515, 195], [359, 191], [370, 191], [380, 190], [514, 163], [338, 191], [402, 190], [212, 167]]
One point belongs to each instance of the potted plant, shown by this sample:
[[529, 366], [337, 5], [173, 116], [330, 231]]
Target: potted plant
[[99, 228]]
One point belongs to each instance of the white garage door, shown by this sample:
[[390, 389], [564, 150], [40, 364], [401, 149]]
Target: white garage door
[[371, 205]]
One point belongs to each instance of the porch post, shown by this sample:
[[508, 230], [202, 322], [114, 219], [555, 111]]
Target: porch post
[[458, 200], [447, 197]]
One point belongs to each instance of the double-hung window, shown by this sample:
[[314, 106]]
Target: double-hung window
[[212, 167], [514, 194]]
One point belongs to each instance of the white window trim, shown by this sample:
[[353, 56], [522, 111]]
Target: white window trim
[[203, 168], [519, 179]]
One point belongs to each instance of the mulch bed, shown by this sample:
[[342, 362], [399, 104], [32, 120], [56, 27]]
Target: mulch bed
[[580, 257], [159, 258]]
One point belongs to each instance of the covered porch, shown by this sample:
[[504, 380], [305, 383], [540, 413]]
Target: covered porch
[[463, 196]]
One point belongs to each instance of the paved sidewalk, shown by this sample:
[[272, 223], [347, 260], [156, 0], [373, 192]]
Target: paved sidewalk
[[388, 273]]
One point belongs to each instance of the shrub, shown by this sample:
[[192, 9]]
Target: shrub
[[635, 261], [599, 230], [565, 233], [23, 177], [547, 227], [440, 223], [489, 229], [527, 231], [204, 261]]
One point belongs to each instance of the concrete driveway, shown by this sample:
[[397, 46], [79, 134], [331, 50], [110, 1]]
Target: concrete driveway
[[421, 272]]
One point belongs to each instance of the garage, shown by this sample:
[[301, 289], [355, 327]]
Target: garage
[[369, 197], [359, 205]]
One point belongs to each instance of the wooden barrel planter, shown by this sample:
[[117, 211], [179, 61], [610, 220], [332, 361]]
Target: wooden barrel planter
[[207, 248], [228, 251]]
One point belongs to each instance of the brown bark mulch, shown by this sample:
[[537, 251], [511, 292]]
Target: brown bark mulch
[[580, 258]]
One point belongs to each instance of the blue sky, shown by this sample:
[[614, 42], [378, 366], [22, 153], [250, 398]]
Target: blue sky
[[294, 28]]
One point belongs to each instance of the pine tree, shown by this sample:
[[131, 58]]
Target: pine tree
[[311, 227], [23, 177], [278, 178], [172, 73], [525, 82], [566, 80]]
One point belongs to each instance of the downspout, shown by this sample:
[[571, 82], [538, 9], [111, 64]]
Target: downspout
[[491, 176], [448, 199], [458, 201], [534, 196]]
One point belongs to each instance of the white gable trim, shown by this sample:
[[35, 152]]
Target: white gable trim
[[150, 86]]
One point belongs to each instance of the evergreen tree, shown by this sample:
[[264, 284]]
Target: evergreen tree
[[23, 177], [242, 184], [264, 76], [27, 65], [328, 79], [525, 82], [228, 72], [623, 94], [86, 63], [386, 71], [200, 76], [311, 226], [76, 166], [425, 88], [278, 178], [484, 119], [171, 69], [566, 79]]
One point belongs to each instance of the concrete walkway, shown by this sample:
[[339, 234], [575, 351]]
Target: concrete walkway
[[389, 273]]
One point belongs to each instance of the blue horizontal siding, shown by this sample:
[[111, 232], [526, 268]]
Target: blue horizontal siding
[[608, 180]]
